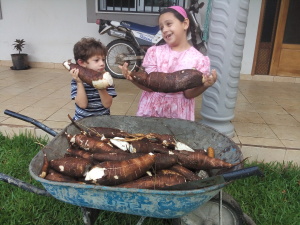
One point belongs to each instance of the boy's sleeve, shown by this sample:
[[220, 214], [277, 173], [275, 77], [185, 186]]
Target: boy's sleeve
[[73, 89], [111, 91]]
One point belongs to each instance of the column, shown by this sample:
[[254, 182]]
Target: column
[[227, 32]]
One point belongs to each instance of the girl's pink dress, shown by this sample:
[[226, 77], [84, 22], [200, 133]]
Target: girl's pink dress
[[170, 105]]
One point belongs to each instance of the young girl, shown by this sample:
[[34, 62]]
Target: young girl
[[90, 101], [176, 54]]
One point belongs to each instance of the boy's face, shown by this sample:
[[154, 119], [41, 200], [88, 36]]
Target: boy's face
[[96, 63]]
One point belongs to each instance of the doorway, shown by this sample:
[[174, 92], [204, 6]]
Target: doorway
[[278, 40]]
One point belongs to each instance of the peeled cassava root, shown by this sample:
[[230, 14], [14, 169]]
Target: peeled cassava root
[[98, 80], [91, 144], [117, 172], [155, 182], [169, 82], [74, 167], [198, 161], [147, 161]]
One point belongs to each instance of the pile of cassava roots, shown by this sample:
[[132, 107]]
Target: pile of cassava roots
[[112, 157]]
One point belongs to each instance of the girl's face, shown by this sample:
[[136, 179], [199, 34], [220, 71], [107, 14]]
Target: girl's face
[[96, 63], [173, 30]]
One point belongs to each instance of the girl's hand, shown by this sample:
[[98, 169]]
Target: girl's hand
[[210, 79], [125, 71], [74, 72]]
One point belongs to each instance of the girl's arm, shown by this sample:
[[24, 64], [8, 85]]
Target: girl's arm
[[149, 63], [106, 99], [81, 98], [209, 81], [127, 74]]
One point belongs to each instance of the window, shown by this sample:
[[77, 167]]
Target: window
[[136, 6]]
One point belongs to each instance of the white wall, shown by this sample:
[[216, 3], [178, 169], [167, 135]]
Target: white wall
[[49, 28], [251, 33]]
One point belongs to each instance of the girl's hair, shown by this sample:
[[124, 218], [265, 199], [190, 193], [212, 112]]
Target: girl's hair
[[192, 26], [87, 48]]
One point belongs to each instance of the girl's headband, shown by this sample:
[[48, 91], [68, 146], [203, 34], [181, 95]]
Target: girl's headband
[[180, 10]]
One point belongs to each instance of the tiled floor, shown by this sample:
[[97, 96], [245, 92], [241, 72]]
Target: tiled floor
[[267, 114]]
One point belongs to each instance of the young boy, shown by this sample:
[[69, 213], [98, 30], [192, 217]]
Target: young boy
[[90, 101]]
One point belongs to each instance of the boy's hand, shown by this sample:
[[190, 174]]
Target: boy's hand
[[125, 71], [74, 72], [209, 80]]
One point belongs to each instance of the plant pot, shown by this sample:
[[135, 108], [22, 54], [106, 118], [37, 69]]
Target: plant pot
[[20, 61]]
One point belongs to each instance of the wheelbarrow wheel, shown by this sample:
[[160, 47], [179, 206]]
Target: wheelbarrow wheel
[[248, 220], [209, 213]]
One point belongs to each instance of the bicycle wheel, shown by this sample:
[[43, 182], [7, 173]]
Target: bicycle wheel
[[116, 51]]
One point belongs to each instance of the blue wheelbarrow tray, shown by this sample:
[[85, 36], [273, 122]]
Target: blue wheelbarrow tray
[[142, 202]]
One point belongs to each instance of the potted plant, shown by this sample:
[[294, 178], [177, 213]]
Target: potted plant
[[20, 60]]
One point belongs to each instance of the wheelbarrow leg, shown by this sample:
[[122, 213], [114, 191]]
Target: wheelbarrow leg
[[89, 215], [221, 209], [141, 220]]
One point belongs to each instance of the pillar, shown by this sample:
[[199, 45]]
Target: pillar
[[227, 32]]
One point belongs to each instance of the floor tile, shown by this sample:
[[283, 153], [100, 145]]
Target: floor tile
[[263, 154], [285, 79], [266, 108], [48, 102], [56, 125], [289, 101], [293, 156], [14, 121], [69, 105], [293, 110], [11, 107], [297, 117], [236, 139], [38, 113], [21, 100], [124, 98], [253, 130], [244, 106], [61, 115], [291, 143], [241, 98], [2, 118], [247, 117], [285, 132], [120, 109], [279, 119], [262, 100], [261, 141]]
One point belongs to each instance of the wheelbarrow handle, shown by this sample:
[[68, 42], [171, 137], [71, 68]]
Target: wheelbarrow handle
[[32, 121], [243, 173], [21, 184]]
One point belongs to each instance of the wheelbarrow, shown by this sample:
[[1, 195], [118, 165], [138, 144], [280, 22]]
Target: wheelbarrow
[[167, 204]]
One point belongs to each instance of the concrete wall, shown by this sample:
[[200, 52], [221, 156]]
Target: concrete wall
[[51, 28]]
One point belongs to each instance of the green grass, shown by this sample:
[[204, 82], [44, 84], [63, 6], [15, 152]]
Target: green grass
[[18, 206], [273, 199]]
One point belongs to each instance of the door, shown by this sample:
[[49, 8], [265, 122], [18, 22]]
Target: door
[[286, 52]]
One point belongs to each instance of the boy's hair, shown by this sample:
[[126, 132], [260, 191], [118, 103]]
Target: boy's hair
[[87, 48], [192, 25]]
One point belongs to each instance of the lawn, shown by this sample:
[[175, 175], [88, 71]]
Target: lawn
[[273, 199]]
